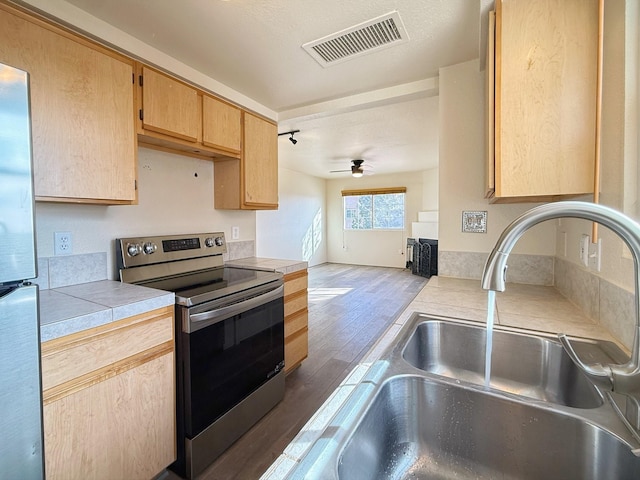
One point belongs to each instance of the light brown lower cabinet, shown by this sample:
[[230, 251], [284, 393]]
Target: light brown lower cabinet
[[109, 400], [296, 319]]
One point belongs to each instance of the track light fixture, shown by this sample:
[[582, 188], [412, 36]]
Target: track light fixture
[[291, 139]]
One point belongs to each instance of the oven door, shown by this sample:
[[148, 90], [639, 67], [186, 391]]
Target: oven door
[[227, 353]]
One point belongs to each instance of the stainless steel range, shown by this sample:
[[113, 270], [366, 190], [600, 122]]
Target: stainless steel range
[[229, 338]]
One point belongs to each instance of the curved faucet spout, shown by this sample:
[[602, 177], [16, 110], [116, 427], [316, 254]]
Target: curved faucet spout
[[623, 379]]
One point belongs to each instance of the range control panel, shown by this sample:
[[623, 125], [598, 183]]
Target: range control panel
[[139, 251]]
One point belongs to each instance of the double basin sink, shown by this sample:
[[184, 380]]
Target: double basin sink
[[423, 411]]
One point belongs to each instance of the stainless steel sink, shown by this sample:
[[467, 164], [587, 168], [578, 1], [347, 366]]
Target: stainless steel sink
[[418, 428], [522, 364], [422, 411]]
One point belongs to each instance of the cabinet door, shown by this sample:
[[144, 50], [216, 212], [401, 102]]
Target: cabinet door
[[84, 146], [546, 73], [221, 125], [120, 428], [260, 163], [169, 106], [109, 399]]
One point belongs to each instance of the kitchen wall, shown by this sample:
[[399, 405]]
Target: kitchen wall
[[430, 190], [175, 196], [172, 198], [607, 296], [620, 133], [462, 188], [298, 229], [385, 248]]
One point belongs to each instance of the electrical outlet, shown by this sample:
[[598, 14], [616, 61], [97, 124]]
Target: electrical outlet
[[62, 243], [235, 233], [584, 250], [595, 255]]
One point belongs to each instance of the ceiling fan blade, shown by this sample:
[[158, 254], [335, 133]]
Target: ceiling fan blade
[[339, 171]]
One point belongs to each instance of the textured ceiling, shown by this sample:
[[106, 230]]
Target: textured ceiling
[[255, 48]]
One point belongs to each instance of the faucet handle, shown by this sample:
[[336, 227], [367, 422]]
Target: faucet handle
[[599, 374]]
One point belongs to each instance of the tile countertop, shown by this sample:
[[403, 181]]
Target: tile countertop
[[273, 264], [531, 307], [68, 310]]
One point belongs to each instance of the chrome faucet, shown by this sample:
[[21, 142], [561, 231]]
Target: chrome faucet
[[623, 379]]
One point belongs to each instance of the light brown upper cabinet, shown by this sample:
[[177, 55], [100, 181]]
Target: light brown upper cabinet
[[82, 99], [178, 117], [260, 157], [545, 99], [169, 106], [221, 125], [250, 183]]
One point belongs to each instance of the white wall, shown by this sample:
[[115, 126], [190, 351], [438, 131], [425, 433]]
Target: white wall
[[175, 196], [298, 229], [430, 190], [386, 248], [462, 170]]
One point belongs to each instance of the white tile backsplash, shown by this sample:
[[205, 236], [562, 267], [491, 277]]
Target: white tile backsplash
[[617, 312], [65, 270], [242, 249], [528, 269], [607, 304]]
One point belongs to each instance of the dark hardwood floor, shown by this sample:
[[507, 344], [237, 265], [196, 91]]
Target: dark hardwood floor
[[349, 308]]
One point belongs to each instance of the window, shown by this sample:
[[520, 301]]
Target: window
[[374, 209]]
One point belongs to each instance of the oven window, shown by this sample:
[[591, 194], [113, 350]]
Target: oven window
[[226, 361]]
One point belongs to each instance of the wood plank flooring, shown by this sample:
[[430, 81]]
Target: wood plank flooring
[[349, 308]]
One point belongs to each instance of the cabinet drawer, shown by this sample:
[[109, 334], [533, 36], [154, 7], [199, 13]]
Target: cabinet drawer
[[296, 281], [69, 357], [294, 303], [296, 322], [296, 349]]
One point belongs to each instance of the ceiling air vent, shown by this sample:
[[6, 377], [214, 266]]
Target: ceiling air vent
[[367, 37]]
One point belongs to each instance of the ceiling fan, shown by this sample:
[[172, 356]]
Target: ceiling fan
[[357, 169]]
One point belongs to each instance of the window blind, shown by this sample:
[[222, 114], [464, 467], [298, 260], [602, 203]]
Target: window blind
[[374, 191]]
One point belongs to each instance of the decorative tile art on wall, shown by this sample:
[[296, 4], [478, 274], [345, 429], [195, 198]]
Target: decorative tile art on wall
[[474, 222]]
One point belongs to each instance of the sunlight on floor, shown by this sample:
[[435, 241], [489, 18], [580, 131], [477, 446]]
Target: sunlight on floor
[[320, 295]]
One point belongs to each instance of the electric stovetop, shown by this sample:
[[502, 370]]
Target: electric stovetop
[[196, 287]]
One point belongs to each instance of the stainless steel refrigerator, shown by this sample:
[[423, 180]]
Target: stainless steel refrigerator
[[21, 433]]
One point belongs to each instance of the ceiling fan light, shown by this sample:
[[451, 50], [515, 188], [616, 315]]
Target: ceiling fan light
[[356, 168]]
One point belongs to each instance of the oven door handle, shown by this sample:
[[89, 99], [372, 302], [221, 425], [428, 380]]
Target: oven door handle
[[222, 313]]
